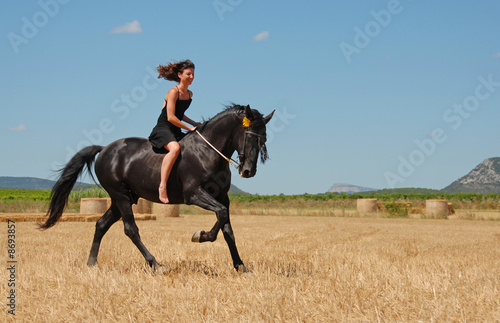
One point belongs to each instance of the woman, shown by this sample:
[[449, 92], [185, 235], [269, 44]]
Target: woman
[[167, 132]]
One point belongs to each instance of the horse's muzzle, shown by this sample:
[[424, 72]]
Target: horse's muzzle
[[246, 173]]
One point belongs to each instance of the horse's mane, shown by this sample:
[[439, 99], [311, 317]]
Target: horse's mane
[[236, 110]]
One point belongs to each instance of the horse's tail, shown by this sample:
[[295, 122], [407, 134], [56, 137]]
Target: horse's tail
[[69, 174]]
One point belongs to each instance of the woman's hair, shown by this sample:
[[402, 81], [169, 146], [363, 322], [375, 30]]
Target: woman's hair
[[169, 72]]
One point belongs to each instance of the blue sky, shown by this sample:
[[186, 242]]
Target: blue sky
[[372, 93]]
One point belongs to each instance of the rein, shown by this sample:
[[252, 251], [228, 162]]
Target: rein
[[242, 155], [229, 160]]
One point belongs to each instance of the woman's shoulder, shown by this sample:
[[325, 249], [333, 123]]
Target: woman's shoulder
[[173, 90], [172, 93]]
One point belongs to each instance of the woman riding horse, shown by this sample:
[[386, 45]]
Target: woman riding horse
[[129, 168], [167, 132]]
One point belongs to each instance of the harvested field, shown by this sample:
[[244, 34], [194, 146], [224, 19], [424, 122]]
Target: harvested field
[[66, 217], [305, 269]]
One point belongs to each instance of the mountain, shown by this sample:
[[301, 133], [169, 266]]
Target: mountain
[[348, 188], [33, 183], [485, 178], [407, 190], [235, 191]]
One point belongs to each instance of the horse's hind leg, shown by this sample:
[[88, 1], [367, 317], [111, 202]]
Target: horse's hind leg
[[101, 227], [132, 231]]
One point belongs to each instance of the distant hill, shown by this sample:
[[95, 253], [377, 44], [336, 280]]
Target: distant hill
[[33, 183], [235, 191], [485, 178], [405, 190], [348, 188]]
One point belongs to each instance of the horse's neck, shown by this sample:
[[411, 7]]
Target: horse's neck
[[220, 134]]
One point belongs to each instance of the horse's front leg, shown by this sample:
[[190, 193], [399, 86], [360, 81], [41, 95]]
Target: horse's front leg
[[231, 243], [203, 199]]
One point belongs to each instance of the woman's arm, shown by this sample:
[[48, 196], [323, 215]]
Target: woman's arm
[[188, 120], [191, 122]]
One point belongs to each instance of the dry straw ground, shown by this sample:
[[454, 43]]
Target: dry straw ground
[[305, 269]]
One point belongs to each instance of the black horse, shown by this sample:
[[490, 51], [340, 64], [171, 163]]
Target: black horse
[[129, 168]]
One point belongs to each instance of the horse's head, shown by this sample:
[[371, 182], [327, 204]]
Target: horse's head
[[252, 141]]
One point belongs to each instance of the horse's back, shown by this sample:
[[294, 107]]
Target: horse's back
[[129, 164], [123, 149]]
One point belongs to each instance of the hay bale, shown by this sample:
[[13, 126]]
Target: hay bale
[[437, 209], [91, 218], [451, 210], [168, 210], [145, 217], [142, 207], [366, 206], [94, 205]]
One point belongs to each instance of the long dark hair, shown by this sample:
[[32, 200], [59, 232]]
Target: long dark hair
[[170, 71]]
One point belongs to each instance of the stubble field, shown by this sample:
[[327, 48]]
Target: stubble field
[[305, 269]]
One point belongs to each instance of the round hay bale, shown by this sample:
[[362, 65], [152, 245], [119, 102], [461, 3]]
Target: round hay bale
[[367, 206], [142, 207], [94, 205], [437, 209], [451, 210], [168, 210]]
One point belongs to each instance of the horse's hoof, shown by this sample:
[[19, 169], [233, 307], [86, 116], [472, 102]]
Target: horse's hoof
[[92, 263], [243, 269], [196, 236]]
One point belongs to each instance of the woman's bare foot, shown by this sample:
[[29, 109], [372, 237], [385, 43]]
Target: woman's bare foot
[[163, 194]]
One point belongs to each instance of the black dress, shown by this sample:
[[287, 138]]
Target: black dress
[[164, 131]]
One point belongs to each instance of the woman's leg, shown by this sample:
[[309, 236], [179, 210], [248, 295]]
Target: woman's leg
[[174, 149]]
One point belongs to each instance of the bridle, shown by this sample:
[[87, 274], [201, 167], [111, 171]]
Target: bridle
[[241, 156], [248, 132]]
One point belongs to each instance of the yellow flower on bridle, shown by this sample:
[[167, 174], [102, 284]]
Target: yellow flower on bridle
[[246, 122]]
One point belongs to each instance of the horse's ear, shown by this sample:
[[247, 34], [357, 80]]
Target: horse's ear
[[268, 118], [248, 112]]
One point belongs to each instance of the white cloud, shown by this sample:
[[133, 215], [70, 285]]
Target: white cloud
[[21, 127], [497, 55], [133, 27], [261, 36]]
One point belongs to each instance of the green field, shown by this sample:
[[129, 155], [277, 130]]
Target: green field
[[37, 201], [15, 200]]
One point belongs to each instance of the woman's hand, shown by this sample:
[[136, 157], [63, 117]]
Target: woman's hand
[[191, 122], [196, 125]]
